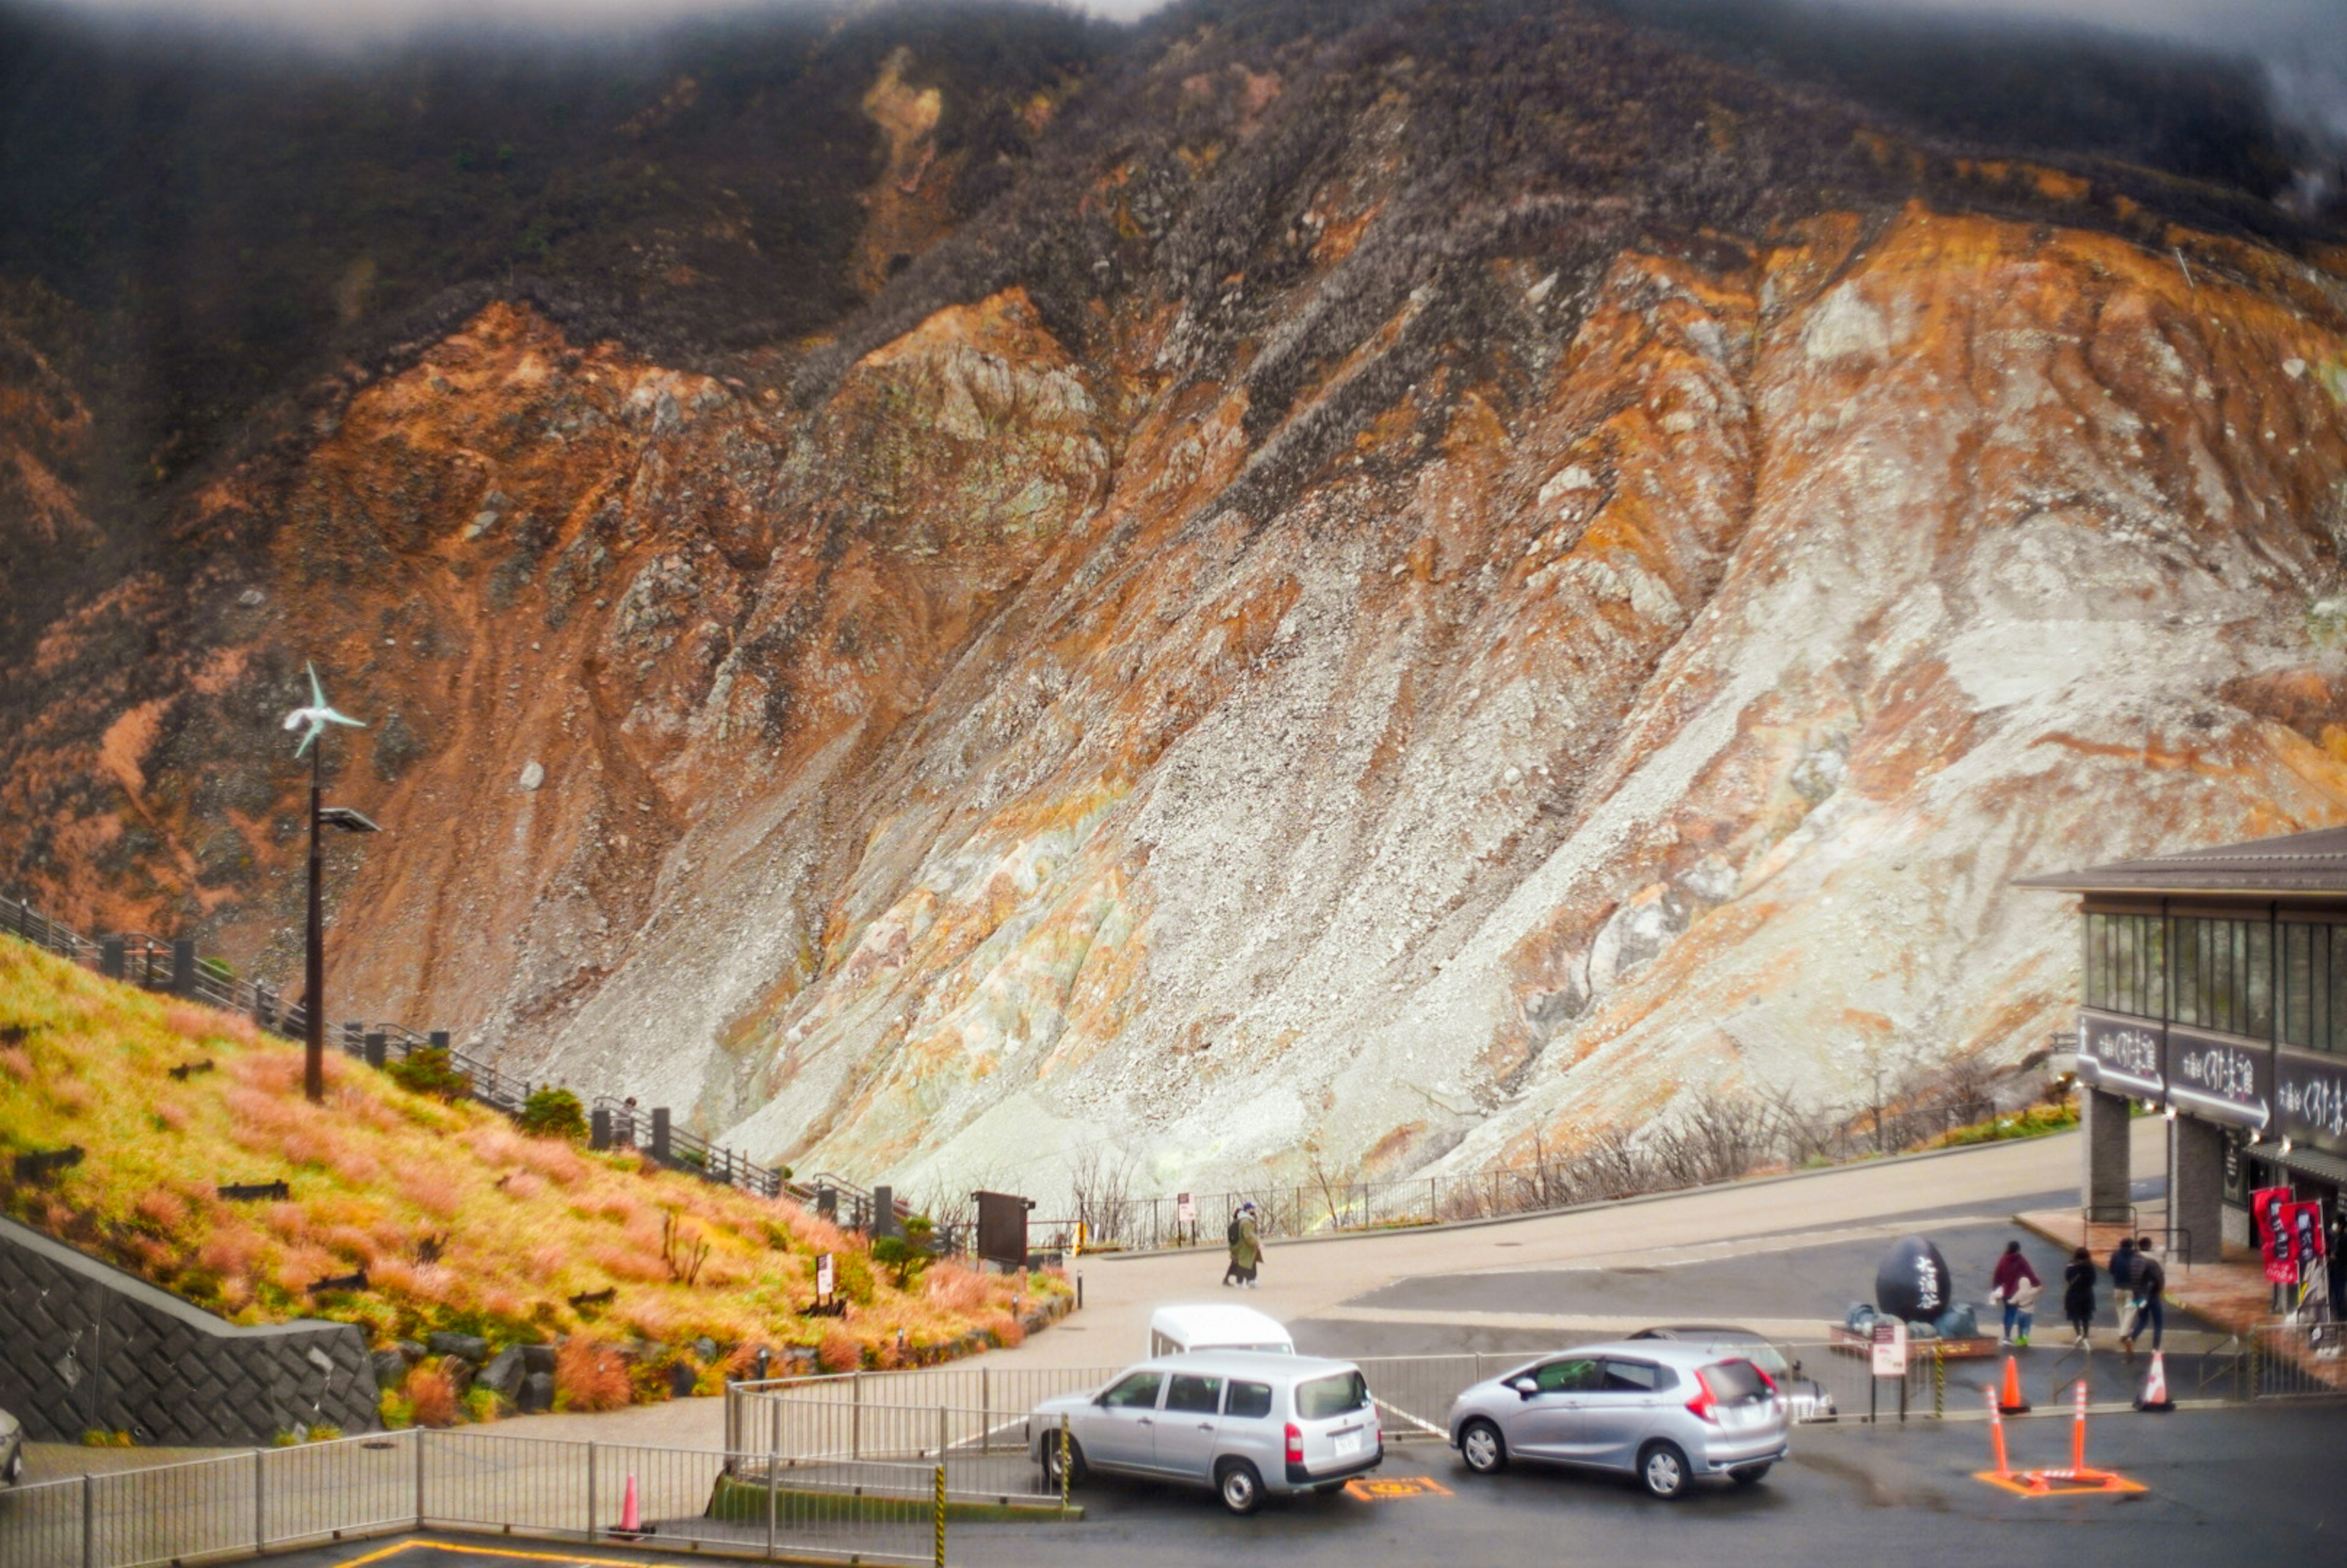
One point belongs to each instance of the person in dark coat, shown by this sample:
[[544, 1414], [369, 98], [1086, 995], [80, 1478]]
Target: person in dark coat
[[2016, 1285], [2123, 1272], [2150, 1280], [2079, 1293]]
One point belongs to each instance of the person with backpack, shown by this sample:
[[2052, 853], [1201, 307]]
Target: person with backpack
[[2150, 1280], [2016, 1285], [2122, 1275], [1248, 1252], [1231, 1275], [2078, 1294]]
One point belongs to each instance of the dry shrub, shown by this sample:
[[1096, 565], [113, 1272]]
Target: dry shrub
[[555, 1160], [308, 1146], [525, 1188], [350, 1242], [1004, 1330], [232, 1252], [589, 1375], [70, 1095], [164, 1209], [259, 1114], [547, 1264], [496, 1145], [269, 1072], [393, 1276], [630, 1263], [504, 1304], [838, 1351], [17, 1063], [174, 1118], [954, 1288], [434, 1394], [354, 1165], [288, 1220], [817, 1234], [431, 1192], [196, 1023]]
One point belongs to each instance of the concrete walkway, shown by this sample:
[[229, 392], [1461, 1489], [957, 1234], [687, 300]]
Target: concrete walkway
[[1318, 1278]]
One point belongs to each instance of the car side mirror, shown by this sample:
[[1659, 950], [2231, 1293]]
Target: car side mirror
[[1525, 1386]]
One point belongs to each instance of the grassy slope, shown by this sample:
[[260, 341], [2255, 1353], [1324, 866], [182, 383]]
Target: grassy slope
[[376, 1171]]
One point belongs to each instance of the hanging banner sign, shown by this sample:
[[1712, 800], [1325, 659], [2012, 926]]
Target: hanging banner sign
[[2268, 1205], [2123, 1055], [2302, 1229]]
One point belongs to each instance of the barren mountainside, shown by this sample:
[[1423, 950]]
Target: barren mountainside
[[1398, 580]]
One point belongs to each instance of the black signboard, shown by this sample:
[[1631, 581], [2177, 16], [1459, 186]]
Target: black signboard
[[2220, 1080], [2311, 1095], [2122, 1054], [2236, 1167], [1002, 1228]]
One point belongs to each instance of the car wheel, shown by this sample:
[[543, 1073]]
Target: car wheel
[[1051, 1461], [1483, 1449], [1751, 1476], [1663, 1470], [1241, 1488]]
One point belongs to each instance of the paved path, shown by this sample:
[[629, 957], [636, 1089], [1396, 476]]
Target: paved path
[[1322, 1278]]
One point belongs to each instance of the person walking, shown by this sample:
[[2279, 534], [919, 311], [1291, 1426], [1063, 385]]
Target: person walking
[[1248, 1251], [2150, 1280], [1231, 1275], [2016, 1285], [2122, 1275], [2078, 1294]]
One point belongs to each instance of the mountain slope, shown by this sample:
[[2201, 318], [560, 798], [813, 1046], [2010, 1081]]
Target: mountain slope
[[1424, 576]]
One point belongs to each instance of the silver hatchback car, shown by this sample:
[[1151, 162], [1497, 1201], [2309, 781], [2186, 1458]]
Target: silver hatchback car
[[1663, 1412], [1243, 1422]]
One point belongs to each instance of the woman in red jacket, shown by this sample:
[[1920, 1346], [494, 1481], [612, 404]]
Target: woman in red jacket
[[2016, 1285]]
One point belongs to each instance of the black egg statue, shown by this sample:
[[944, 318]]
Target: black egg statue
[[1912, 1283]]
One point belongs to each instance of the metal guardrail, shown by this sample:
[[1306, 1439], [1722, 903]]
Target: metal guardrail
[[2295, 1360], [268, 1499]]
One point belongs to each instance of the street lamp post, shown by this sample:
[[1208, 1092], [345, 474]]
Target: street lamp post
[[312, 722]]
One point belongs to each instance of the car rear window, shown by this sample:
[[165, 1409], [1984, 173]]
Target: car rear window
[[1199, 1395], [1337, 1395], [1250, 1401], [1732, 1382], [1634, 1377]]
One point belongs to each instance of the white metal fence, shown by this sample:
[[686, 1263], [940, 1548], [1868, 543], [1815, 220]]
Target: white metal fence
[[268, 1499]]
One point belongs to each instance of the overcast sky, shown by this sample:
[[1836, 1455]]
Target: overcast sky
[[2302, 42]]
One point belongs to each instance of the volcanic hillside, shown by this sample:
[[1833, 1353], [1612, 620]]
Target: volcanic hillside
[[1396, 579]]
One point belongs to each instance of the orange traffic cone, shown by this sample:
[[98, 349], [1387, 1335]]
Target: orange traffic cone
[[2013, 1402], [2154, 1397], [631, 1519], [2004, 1470]]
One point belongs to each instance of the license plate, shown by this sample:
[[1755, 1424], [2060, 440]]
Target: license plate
[[1737, 1417], [1348, 1444]]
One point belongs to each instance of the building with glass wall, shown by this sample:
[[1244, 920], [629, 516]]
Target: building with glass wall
[[2215, 991]]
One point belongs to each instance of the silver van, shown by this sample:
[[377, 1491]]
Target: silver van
[[1243, 1422]]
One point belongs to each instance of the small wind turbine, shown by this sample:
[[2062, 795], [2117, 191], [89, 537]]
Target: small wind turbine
[[312, 722], [317, 715]]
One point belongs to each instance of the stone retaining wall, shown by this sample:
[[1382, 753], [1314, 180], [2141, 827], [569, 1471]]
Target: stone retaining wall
[[85, 1346]]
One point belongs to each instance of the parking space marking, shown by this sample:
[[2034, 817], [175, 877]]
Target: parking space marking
[[1390, 1489]]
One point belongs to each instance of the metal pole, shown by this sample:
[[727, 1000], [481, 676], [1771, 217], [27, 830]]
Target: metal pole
[[941, 1512], [1939, 1383], [590, 1492], [260, 1506], [313, 1020], [89, 1522], [419, 1477], [855, 1415], [1065, 1480], [985, 1409], [774, 1484], [943, 1432]]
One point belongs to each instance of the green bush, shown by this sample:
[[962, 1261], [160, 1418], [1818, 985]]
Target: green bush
[[429, 1071], [552, 1112]]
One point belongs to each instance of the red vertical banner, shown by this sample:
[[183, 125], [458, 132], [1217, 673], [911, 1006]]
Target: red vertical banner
[[2271, 1205]]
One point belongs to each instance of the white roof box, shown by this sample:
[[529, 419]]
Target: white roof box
[[1215, 1327]]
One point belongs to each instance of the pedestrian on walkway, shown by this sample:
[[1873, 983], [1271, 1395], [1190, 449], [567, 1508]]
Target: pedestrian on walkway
[[1248, 1251], [2123, 1279], [2016, 1285], [1231, 1275], [2150, 1279], [2078, 1294]]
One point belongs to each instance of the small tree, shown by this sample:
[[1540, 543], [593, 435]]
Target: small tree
[[909, 1254], [429, 1071], [551, 1112]]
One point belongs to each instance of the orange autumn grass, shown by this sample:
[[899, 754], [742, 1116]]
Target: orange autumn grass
[[460, 1221]]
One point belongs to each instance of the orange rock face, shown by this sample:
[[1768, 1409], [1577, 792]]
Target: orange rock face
[[962, 768]]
